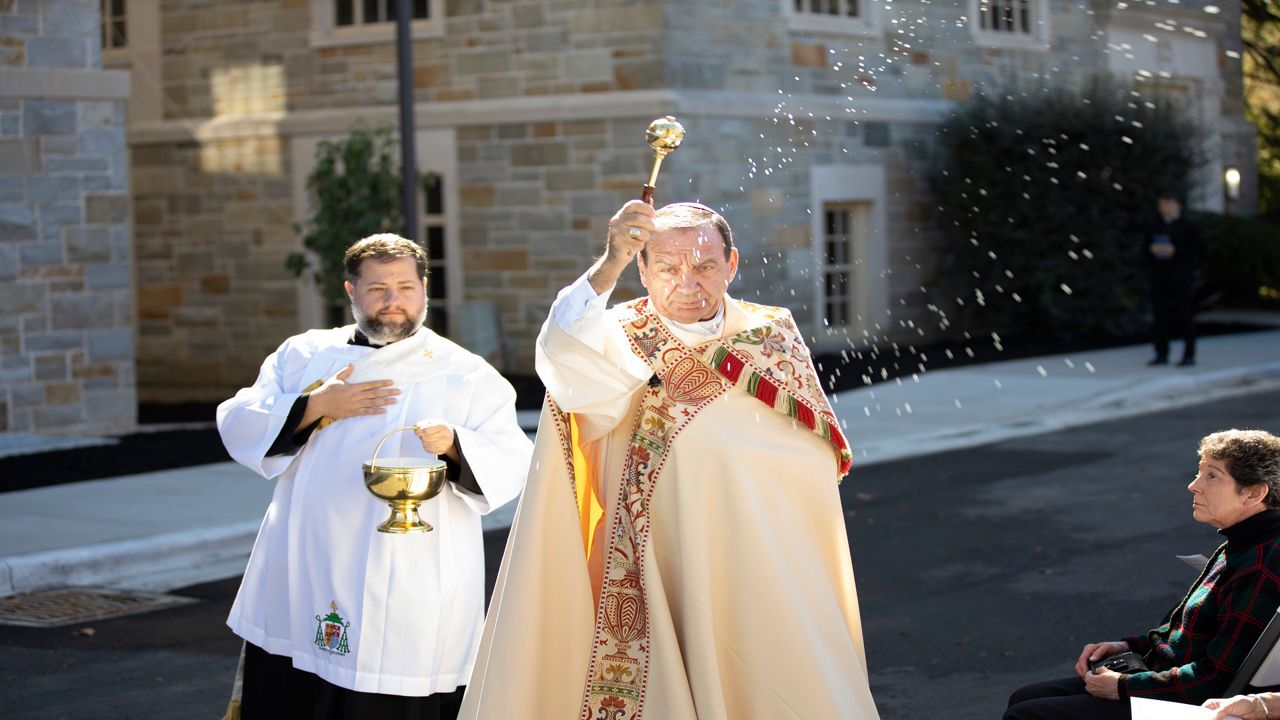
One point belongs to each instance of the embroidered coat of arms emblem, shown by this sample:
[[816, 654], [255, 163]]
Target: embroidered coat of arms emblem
[[331, 632]]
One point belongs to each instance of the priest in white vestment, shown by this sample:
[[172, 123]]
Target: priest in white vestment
[[342, 621], [680, 550]]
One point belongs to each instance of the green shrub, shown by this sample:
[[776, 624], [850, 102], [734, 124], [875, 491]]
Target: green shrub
[[1269, 196], [1241, 267], [1045, 194], [355, 192]]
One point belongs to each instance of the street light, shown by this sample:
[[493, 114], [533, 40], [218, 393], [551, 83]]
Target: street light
[[1231, 178]]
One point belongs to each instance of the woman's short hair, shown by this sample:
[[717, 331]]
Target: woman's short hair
[[383, 247], [681, 215], [1251, 456]]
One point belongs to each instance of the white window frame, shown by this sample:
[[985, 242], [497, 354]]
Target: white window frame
[[866, 24], [437, 153], [326, 33], [847, 185], [1035, 38], [452, 260], [857, 216]]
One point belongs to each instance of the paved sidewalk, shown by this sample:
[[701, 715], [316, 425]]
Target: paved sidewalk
[[976, 405], [167, 529]]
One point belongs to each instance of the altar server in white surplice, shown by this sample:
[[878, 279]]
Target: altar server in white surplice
[[341, 621], [680, 551]]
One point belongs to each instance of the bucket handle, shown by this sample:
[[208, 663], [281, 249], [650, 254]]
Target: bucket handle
[[373, 462]]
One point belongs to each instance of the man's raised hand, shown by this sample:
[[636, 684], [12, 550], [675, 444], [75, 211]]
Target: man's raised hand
[[338, 399], [629, 229]]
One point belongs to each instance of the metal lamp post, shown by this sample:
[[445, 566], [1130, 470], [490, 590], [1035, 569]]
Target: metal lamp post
[[408, 153]]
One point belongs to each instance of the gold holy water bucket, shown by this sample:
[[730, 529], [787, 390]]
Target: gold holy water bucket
[[404, 483]]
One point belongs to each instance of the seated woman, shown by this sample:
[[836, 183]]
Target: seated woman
[[1193, 655]]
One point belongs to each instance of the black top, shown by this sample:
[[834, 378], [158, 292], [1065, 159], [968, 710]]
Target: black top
[[289, 442], [1202, 642], [1184, 235], [1252, 530]]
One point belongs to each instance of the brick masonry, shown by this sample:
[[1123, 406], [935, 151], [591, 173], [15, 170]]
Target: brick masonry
[[212, 218], [67, 311], [213, 227]]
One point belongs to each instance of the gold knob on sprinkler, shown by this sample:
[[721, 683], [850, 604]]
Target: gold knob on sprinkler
[[664, 135]]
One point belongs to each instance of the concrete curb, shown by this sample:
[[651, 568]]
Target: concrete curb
[[106, 563], [1177, 391]]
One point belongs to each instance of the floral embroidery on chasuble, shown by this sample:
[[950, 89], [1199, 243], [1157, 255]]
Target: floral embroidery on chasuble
[[773, 363]]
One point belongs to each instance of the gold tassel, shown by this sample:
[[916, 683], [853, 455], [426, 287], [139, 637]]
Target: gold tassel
[[237, 690]]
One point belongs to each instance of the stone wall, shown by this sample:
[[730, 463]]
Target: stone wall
[[234, 58], [213, 227], [536, 199], [66, 301], [229, 58], [539, 175]]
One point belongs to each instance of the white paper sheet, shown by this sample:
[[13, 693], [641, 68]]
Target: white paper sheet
[[1196, 561], [1145, 709]]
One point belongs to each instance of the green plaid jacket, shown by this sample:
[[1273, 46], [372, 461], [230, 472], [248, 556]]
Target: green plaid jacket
[[1195, 652]]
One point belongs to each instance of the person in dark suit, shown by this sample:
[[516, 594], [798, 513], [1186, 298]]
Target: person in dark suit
[[1172, 249]]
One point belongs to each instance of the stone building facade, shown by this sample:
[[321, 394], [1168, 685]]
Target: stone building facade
[[815, 133], [67, 308]]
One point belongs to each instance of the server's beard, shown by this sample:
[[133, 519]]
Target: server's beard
[[384, 332]]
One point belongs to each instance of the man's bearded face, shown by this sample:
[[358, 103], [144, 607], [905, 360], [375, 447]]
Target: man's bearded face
[[388, 299]]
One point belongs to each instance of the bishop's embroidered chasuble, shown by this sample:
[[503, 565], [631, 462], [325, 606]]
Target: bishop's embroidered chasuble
[[686, 557]]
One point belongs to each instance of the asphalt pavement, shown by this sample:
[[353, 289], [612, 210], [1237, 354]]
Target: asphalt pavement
[[174, 528], [978, 570]]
